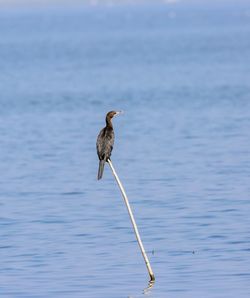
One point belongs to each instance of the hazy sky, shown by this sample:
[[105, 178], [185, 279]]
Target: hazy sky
[[70, 2], [31, 3], [14, 3], [41, 2], [94, 2]]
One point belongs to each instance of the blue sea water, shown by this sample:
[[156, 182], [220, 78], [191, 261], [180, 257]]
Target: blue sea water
[[182, 75]]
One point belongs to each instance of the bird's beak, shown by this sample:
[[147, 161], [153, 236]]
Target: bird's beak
[[118, 113]]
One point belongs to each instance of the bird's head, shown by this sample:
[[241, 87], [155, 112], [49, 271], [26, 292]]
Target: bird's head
[[112, 114]]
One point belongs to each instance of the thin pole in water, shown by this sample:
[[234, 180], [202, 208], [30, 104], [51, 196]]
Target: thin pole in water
[[150, 271]]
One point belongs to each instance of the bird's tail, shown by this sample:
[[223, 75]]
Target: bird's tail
[[101, 168]]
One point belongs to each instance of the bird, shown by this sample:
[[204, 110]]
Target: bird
[[105, 142]]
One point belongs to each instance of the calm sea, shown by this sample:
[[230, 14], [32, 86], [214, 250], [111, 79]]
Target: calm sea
[[182, 75]]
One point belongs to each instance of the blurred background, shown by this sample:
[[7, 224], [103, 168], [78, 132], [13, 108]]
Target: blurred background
[[181, 72]]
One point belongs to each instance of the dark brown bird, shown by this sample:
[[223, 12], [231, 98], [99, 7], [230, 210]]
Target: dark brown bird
[[105, 142]]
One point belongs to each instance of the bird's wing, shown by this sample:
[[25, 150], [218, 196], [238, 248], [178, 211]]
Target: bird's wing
[[99, 143], [105, 143]]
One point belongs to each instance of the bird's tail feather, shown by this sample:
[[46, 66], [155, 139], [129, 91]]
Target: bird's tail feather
[[101, 168]]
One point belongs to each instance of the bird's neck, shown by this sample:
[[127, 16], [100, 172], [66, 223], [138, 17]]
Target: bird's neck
[[108, 122]]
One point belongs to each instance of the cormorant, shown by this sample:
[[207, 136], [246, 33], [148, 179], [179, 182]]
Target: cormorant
[[105, 142]]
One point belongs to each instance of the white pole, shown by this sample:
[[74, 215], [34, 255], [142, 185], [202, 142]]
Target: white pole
[[151, 274]]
